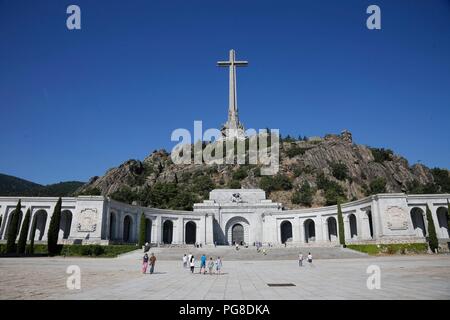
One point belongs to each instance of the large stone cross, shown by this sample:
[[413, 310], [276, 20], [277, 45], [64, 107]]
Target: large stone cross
[[233, 120]]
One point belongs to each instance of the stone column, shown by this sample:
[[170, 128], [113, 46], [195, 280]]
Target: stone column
[[180, 232], [347, 227], [209, 220], [296, 231], [158, 229], [324, 225]]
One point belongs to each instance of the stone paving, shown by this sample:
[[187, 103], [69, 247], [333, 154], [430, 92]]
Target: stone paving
[[402, 277]]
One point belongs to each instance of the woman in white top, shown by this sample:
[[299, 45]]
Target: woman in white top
[[192, 263]]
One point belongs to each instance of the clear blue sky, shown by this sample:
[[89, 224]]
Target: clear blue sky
[[76, 103]]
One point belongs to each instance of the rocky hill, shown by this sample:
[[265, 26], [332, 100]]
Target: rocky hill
[[313, 172]]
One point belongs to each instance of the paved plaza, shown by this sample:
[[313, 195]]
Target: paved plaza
[[402, 277]]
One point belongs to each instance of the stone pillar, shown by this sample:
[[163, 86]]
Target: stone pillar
[[180, 233], [324, 226], [158, 226], [296, 231], [209, 221], [365, 225], [347, 227]]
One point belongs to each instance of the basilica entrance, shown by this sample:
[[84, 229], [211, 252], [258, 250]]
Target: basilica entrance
[[237, 234]]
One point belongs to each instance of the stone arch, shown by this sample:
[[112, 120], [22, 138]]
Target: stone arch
[[418, 221], [369, 219], [148, 230], [286, 231], [190, 235], [332, 229], [353, 226], [65, 224], [41, 220], [235, 221], [127, 228], [168, 231], [112, 226], [442, 216], [310, 230]]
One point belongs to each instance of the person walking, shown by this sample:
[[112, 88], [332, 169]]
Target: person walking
[[203, 264], [185, 261], [152, 263], [310, 258], [144, 263], [218, 265], [300, 259], [211, 265], [192, 263]]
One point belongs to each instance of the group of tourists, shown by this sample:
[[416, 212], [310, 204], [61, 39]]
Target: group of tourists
[[210, 264], [300, 259]]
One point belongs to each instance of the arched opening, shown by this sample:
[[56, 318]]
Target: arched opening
[[167, 231], [112, 226], [442, 216], [286, 231], [237, 234], [418, 222], [190, 233], [353, 227], [148, 230], [65, 224], [332, 229], [310, 231], [127, 229], [41, 221], [369, 216]]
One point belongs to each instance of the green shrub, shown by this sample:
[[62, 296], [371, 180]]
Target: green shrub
[[234, 184], [304, 195], [442, 179], [381, 155], [339, 170], [400, 248], [295, 150], [377, 185], [275, 183], [240, 174]]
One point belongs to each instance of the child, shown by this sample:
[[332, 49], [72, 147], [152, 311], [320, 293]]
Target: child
[[145, 263], [310, 259]]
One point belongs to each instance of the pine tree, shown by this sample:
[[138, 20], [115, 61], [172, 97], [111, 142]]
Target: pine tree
[[142, 230], [23, 233], [33, 233], [13, 229], [53, 230], [341, 225], [432, 238]]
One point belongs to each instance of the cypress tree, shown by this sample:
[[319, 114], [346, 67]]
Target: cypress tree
[[341, 225], [23, 233], [33, 233], [13, 229], [432, 238], [142, 230], [53, 229]]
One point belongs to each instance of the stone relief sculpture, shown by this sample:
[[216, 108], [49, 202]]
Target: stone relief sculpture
[[88, 220], [397, 218]]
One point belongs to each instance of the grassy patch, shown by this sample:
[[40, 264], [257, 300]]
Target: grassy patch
[[398, 248], [78, 250]]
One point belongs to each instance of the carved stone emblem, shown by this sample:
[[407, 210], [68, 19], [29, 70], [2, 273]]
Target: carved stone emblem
[[236, 197], [397, 218], [88, 220]]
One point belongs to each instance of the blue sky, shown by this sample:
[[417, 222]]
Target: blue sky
[[76, 103]]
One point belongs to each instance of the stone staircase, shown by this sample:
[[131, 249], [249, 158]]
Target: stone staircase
[[248, 254]]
